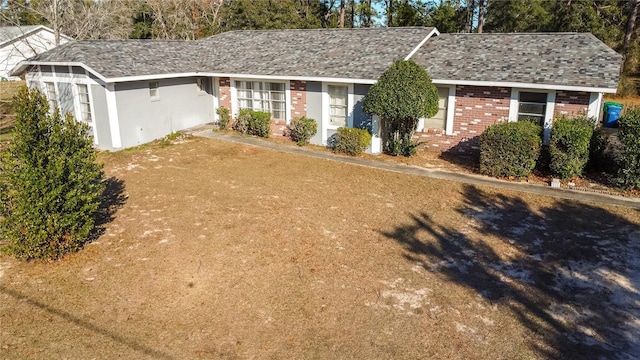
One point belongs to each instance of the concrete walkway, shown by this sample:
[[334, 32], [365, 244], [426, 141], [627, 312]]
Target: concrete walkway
[[471, 179]]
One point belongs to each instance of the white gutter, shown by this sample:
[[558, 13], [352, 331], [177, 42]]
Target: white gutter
[[523, 85]]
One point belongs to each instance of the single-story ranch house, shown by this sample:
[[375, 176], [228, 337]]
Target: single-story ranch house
[[134, 91]]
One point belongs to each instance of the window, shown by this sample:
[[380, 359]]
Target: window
[[154, 90], [201, 85], [85, 103], [262, 96], [338, 105], [439, 120], [532, 107], [50, 89]]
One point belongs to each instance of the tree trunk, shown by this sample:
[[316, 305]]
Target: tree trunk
[[342, 11], [631, 24], [471, 9], [55, 23], [481, 7], [389, 13], [628, 33]]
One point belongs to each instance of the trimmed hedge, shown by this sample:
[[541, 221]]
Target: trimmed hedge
[[224, 115], [628, 176], [301, 130], [569, 145], [510, 149], [242, 121], [253, 123], [260, 124], [352, 141], [599, 160]]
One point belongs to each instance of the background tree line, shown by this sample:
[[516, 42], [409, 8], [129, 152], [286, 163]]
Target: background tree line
[[612, 21]]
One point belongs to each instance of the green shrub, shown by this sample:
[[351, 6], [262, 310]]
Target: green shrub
[[628, 175], [403, 94], [242, 121], [510, 149], [352, 141], [259, 124], [50, 181], [569, 145], [599, 159], [253, 123], [224, 115], [301, 130]]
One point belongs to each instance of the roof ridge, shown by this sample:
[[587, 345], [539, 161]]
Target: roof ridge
[[329, 29], [521, 33]]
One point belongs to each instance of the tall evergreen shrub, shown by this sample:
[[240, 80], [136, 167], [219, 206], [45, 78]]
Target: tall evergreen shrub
[[628, 176], [569, 145], [50, 181]]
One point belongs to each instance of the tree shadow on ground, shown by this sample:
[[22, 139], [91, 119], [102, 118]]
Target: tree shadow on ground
[[113, 198], [464, 155], [567, 272]]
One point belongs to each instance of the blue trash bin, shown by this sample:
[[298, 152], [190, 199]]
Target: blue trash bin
[[612, 115]]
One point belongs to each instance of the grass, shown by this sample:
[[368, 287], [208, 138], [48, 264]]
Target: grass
[[8, 89], [227, 251]]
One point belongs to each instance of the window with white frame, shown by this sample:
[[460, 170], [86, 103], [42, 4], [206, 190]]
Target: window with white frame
[[338, 105], [262, 96], [154, 90], [50, 89], [532, 106], [84, 103], [201, 85], [439, 120]]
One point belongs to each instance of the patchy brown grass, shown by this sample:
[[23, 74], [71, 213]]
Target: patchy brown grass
[[8, 89], [227, 251]]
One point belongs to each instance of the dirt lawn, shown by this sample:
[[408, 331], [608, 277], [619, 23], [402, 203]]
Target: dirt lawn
[[221, 250]]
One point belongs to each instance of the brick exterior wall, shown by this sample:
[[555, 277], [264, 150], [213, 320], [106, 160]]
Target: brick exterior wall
[[278, 127], [570, 103], [475, 108], [225, 92], [298, 98]]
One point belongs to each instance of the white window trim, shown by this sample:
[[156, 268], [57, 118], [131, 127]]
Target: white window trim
[[326, 114], [78, 108], [215, 88], [595, 104], [549, 114], [235, 106], [155, 97], [451, 107], [201, 85], [451, 110]]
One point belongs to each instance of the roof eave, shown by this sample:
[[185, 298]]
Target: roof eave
[[513, 84]]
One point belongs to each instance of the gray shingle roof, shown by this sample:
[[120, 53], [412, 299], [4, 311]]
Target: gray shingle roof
[[570, 59], [119, 58], [338, 53]]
